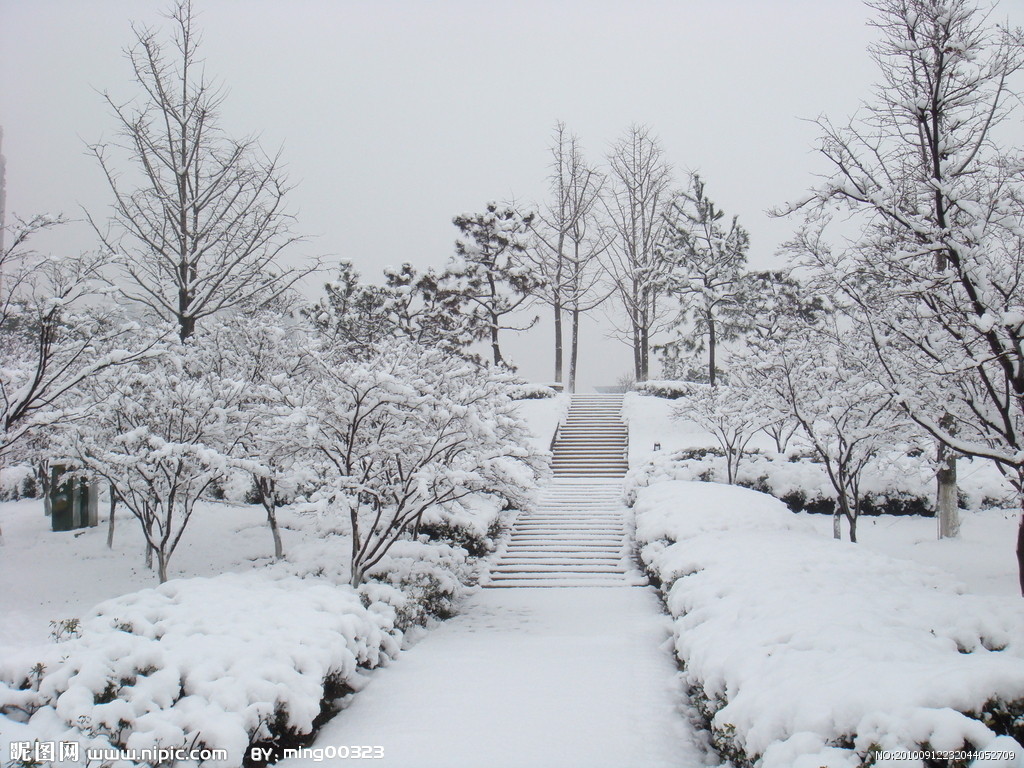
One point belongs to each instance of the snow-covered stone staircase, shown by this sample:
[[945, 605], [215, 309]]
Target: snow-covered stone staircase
[[577, 535], [593, 440]]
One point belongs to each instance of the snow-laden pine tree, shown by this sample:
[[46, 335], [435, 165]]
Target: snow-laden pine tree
[[490, 278], [410, 304], [932, 168], [198, 219], [706, 260]]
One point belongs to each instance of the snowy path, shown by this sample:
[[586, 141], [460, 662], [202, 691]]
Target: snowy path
[[529, 678]]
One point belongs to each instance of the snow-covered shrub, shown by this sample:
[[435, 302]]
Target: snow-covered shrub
[[533, 391], [160, 434], [430, 579], [472, 523], [423, 575], [17, 482], [224, 662], [801, 649], [669, 389], [897, 483]]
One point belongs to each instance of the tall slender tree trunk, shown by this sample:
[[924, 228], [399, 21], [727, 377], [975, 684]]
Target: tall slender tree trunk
[[1020, 553], [947, 505], [645, 353], [113, 509], [637, 362], [575, 348], [558, 341], [947, 510], [712, 343]]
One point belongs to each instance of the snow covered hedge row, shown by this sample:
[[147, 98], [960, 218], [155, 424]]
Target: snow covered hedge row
[[223, 662], [668, 389], [805, 651], [897, 484]]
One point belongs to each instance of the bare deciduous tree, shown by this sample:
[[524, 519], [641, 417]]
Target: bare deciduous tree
[[204, 229], [937, 273], [569, 240], [636, 200]]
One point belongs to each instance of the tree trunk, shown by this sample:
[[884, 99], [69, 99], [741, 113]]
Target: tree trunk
[[110, 526], [161, 559], [574, 352], [558, 341], [711, 349], [494, 340], [947, 504], [278, 546], [186, 326], [645, 352], [947, 511], [1020, 553], [637, 364]]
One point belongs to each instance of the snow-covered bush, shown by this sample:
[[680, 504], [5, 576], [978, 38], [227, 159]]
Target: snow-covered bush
[[224, 663], [669, 389], [472, 523], [17, 482], [801, 649], [533, 391], [430, 578], [896, 483]]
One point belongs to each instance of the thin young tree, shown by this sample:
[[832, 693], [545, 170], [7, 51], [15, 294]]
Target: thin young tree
[[636, 199], [845, 414], [569, 239], [409, 429], [937, 273], [203, 230], [161, 433]]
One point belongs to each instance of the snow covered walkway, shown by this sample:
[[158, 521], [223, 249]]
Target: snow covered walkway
[[529, 678], [571, 668]]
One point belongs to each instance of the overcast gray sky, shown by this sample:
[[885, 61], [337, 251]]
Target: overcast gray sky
[[394, 116]]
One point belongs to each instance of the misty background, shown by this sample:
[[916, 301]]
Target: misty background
[[393, 117]]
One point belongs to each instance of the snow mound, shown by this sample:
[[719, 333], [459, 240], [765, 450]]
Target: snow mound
[[805, 650], [213, 662]]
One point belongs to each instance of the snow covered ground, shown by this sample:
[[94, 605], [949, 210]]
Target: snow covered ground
[[51, 576]]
